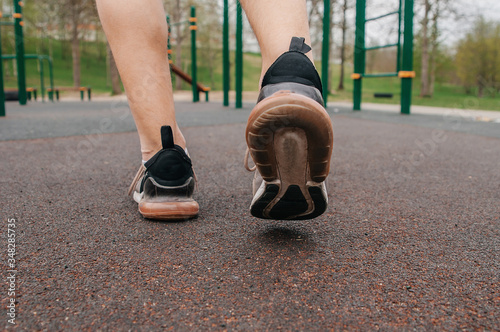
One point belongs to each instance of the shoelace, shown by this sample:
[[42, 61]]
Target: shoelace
[[137, 177], [245, 162]]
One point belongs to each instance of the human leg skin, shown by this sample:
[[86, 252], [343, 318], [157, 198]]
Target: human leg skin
[[275, 23], [137, 33]]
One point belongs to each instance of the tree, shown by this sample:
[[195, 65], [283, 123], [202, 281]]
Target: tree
[[434, 12], [343, 28], [477, 58], [116, 88], [425, 82]]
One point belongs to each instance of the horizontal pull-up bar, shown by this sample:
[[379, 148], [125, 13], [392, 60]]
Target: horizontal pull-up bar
[[379, 47], [360, 76], [382, 16], [26, 56], [380, 75]]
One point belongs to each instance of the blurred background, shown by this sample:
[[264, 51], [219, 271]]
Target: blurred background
[[457, 48]]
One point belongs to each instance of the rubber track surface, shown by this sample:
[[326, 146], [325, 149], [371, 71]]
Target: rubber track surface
[[409, 241]]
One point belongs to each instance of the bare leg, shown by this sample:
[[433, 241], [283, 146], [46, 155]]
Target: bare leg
[[275, 23], [137, 33]]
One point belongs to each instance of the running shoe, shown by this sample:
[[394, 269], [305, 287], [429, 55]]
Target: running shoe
[[290, 139], [163, 187]]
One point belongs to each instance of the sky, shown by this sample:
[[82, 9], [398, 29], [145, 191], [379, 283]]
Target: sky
[[384, 31], [452, 29]]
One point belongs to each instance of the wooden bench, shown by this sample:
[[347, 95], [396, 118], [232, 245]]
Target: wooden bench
[[82, 90], [31, 91], [13, 94]]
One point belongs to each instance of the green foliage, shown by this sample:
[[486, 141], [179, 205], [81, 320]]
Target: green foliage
[[478, 59], [93, 64], [446, 94]]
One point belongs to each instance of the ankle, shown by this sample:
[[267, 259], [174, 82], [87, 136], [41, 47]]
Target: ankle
[[150, 150], [282, 63]]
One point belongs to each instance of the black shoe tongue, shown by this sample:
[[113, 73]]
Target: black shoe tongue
[[298, 44], [167, 137]]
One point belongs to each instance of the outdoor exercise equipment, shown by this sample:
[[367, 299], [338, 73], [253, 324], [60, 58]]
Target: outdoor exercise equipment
[[404, 58], [21, 74], [404, 62], [40, 59], [193, 78], [20, 57]]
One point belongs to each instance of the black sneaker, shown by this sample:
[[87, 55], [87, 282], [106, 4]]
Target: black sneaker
[[290, 138], [164, 186]]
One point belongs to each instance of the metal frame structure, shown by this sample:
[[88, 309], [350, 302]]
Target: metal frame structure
[[404, 62], [20, 57], [21, 71], [40, 59], [193, 79]]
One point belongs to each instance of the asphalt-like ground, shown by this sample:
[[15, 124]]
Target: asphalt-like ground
[[410, 240]]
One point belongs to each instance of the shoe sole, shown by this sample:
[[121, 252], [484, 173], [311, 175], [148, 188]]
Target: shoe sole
[[169, 210], [290, 137], [176, 208]]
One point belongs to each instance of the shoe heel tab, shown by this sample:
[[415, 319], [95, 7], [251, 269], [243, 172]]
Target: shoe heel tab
[[298, 44], [167, 137]]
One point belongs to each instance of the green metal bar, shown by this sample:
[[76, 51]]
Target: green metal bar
[[21, 70], [406, 83], [381, 16], [359, 52], [26, 56], [239, 56], [380, 75], [194, 82], [325, 56], [51, 75], [379, 47], [42, 83], [398, 63], [225, 54], [2, 92], [42, 79], [7, 23]]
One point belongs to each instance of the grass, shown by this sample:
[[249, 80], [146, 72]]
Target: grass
[[94, 74], [445, 95]]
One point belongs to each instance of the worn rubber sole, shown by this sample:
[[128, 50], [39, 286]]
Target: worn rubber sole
[[167, 203], [169, 210], [290, 138]]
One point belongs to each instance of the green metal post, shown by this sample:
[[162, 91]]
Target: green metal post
[[42, 85], [359, 53], [51, 75], [193, 27], [407, 66], [21, 71], [325, 56], [239, 56], [2, 93], [225, 53], [400, 17]]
